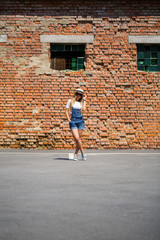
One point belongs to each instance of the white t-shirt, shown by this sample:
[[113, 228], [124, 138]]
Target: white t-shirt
[[76, 105]]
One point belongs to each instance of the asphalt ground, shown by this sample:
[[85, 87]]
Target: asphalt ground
[[114, 195]]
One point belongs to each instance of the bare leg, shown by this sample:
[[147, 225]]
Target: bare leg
[[80, 135], [77, 138]]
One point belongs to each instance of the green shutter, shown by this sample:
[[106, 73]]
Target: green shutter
[[140, 62], [141, 68], [80, 63], [147, 68], [147, 62], [147, 54], [140, 55], [153, 68], [74, 64], [153, 61]]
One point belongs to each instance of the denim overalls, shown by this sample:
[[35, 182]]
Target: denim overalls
[[77, 120]]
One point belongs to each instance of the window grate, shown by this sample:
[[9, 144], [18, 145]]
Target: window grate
[[148, 57], [67, 56]]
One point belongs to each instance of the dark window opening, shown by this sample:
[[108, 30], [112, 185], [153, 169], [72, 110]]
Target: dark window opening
[[148, 57], [67, 56]]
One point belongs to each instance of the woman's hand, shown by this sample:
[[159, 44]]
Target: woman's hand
[[84, 97], [68, 115], [84, 102]]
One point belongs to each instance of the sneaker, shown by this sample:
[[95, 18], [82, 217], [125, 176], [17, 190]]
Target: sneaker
[[84, 157], [75, 157]]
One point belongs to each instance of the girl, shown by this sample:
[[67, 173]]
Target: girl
[[74, 109]]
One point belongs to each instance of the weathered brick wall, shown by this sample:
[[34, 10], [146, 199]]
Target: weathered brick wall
[[122, 105]]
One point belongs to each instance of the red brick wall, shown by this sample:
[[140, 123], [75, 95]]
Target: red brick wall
[[123, 103]]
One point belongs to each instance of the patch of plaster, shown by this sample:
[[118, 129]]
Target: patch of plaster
[[43, 64], [22, 122], [3, 52], [35, 128], [15, 60], [35, 110], [23, 64]]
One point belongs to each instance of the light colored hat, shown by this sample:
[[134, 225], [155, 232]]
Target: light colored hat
[[79, 90]]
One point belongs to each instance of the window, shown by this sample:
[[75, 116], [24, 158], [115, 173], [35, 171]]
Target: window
[[67, 56], [148, 57]]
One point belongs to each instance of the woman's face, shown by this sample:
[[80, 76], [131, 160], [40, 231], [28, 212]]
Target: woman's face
[[78, 96]]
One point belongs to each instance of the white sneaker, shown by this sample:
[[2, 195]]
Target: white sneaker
[[84, 157], [75, 157]]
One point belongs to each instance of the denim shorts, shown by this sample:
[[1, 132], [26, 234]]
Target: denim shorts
[[77, 125]]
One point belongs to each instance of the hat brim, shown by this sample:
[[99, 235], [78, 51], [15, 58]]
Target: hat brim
[[79, 92]]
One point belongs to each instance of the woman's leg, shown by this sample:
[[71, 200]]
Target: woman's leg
[[80, 135], [77, 136]]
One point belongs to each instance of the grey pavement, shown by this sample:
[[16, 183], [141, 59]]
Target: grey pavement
[[114, 195]]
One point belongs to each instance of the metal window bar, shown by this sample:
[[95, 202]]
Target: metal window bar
[[65, 56], [148, 57]]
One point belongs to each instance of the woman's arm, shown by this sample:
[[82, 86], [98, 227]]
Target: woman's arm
[[84, 103], [68, 115]]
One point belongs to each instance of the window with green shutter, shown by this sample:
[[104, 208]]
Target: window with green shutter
[[148, 57], [67, 56]]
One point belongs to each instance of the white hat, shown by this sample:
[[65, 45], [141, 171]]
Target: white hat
[[79, 90]]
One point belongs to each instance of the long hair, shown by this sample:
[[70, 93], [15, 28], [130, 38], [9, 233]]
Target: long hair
[[73, 101]]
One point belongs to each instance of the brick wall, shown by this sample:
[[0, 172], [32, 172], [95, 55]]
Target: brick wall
[[123, 103]]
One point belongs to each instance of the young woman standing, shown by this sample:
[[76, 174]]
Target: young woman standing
[[74, 109]]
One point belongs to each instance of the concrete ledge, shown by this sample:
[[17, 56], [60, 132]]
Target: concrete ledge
[[144, 39], [67, 38], [3, 38]]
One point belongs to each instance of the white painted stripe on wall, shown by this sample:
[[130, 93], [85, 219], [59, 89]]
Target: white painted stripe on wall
[[144, 39], [67, 38], [3, 38]]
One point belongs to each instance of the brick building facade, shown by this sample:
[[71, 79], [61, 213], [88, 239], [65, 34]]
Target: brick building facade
[[121, 82]]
